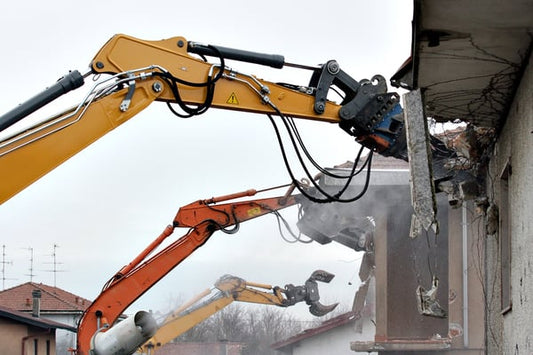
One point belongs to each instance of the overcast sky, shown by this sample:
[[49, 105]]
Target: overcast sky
[[105, 205]]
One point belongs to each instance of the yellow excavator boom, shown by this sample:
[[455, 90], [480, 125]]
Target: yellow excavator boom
[[229, 289]]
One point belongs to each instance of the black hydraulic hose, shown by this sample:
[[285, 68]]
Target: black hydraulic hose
[[328, 198], [190, 111], [315, 164]]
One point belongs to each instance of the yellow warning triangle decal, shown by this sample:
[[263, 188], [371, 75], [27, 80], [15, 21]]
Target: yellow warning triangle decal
[[232, 99]]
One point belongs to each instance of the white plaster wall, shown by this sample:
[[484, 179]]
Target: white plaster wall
[[336, 341], [64, 338], [333, 342], [512, 333]]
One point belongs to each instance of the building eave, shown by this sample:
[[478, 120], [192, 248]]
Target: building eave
[[326, 326], [33, 321]]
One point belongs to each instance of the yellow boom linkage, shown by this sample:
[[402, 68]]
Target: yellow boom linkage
[[142, 72]]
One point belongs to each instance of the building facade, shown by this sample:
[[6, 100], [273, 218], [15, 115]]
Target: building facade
[[26, 334], [509, 243], [50, 303]]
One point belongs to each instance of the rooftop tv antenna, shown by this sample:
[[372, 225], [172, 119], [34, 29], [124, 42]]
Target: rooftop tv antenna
[[4, 263], [55, 263], [31, 274]]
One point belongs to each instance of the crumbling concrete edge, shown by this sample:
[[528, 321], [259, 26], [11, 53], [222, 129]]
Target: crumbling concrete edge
[[420, 164]]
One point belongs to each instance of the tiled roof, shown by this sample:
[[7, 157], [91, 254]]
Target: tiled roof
[[25, 318], [53, 299]]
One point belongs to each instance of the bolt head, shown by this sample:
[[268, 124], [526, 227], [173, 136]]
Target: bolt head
[[319, 108], [333, 67], [157, 87]]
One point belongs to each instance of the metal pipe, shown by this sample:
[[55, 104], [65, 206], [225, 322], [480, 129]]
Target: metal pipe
[[126, 336], [464, 220]]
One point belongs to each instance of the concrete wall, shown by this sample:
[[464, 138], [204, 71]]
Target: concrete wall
[[511, 332], [466, 310]]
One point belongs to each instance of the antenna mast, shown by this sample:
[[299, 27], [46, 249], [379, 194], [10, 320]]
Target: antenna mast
[[4, 263], [54, 269], [31, 274], [55, 264]]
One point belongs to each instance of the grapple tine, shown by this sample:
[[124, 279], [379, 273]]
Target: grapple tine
[[322, 276], [319, 310], [309, 293], [315, 307]]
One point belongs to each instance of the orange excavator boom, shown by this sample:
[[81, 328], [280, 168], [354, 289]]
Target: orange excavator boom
[[203, 218]]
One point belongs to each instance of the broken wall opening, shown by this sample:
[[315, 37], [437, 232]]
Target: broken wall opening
[[402, 264]]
